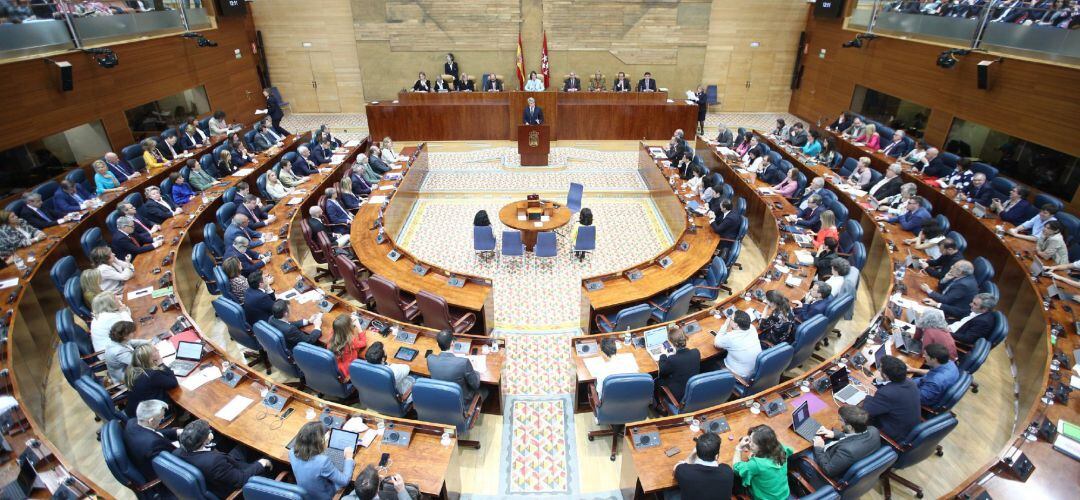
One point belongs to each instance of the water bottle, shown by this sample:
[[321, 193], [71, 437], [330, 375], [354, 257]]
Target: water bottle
[[19, 263], [445, 439]]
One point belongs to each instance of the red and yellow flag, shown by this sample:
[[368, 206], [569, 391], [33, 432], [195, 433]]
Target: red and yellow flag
[[544, 68], [520, 64]]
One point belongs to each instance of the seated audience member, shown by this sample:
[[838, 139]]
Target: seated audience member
[[466, 84], [797, 136], [889, 185], [291, 329], [304, 163], [323, 152], [347, 343], [816, 188], [181, 191], [218, 125], [444, 86], [1033, 228], [960, 178], [422, 84], [829, 155], [824, 257], [726, 225], [842, 122], [114, 272], [107, 311], [376, 161], [917, 156], [935, 166], [403, 382], [15, 233], [367, 485], [809, 217], [493, 84], [979, 324], [120, 349], [621, 83], [190, 139], [105, 181], [240, 226], [147, 379], [315, 223], [156, 209], [275, 188], [152, 156], [647, 84], [371, 175], [869, 138], [324, 132], [938, 267], [572, 83], [225, 166], [675, 369], [361, 186], [894, 408], [313, 470], [856, 440], [34, 213], [935, 380], [126, 243], [931, 328], [860, 177], [585, 218], [928, 239], [144, 436], [781, 130], [827, 229], [1051, 244], [849, 277], [238, 283], [897, 146], [223, 472], [70, 198], [817, 300], [119, 168], [90, 282], [724, 137], [197, 131], [701, 476], [741, 344], [597, 82], [241, 155], [338, 218], [954, 291], [259, 297], [250, 261], [761, 464], [1015, 209], [779, 325], [789, 185], [856, 128], [914, 216], [198, 178], [979, 191], [255, 212], [348, 199], [263, 139], [289, 176], [481, 218], [446, 366]]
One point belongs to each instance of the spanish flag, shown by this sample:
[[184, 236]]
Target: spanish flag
[[520, 64]]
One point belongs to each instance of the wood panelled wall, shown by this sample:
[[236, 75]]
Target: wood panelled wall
[[1032, 101], [34, 106]]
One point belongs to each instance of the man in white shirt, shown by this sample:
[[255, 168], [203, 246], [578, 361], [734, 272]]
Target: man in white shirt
[[880, 190], [741, 344], [376, 355]]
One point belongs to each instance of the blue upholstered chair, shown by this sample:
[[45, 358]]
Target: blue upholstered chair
[[376, 390], [983, 270], [512, 245], [232, 314], [204, 266], [1001, 329], [321, 372], [1002, 186], [861, 477], [848, 166], [628, 318], [923, 440], [768, 367], [71, 333], [277, 352], [97, 398], [823, 493], [483, 241], [851, 233], [708, 286], [119, 463], [675, 305], [986, 169], [586, 241], [224, 289], [573, 197], [952, 396], [1045, 199], [181, 478], [942, 222], [78, 176], [63, 270], [214, 242], [546, 246], [702, 391], [90, 240], [225, 212], [807, 336], [134, 199], [73, 296], [132, 151], [991, 288], [858, 255], [837, 309], [974, 359], [625, 398], [264, 488], [442, 402]]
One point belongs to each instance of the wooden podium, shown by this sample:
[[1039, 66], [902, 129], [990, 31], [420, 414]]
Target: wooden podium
[[534, 143]]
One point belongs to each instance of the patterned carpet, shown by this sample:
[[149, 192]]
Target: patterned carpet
[[540, 460]]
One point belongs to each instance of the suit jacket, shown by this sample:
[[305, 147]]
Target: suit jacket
[[837, 457], [121, 170], [467, 85], [256, 217], [976, 328], [773, 174], [65, 203], [143, 444], [572, 84], [912, 222], [422, 86], [704, 482], [810, 218], [955, 296], [154, 212], [493, 84], [798, 139], [643, 85], [338, 218], [894, 408], [621, 85], [451, 69], [124, 245], [896, 149], [890, 188], [261, 141], [317, 227], [982, 195], [171, 152], [293, 334], [808, 311], [258, 305], [38, 217], [349, 200], [1019, 213], [441, 86], [446, 366], [725, 138], [249, 261], [223, 473], [676, 370], [378, 165], [273, 108], [937, 168], [360, 185], [534, 118], [187, 142], [727, 227], [142, 230], [322, 156], [940, 266], [234, 231], [304, 166]]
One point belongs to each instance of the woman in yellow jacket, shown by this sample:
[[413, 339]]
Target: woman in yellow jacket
[[152, 157]]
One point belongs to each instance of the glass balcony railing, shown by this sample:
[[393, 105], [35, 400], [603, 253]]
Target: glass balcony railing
[[41, 27], [1042, 29]]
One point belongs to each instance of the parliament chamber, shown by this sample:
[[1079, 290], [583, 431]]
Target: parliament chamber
[[741, 248]]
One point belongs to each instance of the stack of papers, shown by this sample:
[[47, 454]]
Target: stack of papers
[[352, 144], [387, 187], [805, 258], [376, 199], [337, 159], [8, 283], [201, 377], [619, 363], [233, 409], [243, 172], [294, 201], [479, 362], [309, 296]]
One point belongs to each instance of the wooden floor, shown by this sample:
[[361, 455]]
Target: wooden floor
[[986, 418]]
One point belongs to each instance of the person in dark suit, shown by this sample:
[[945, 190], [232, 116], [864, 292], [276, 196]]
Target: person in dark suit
[[572, 83], [422, 84], [816, 187], [144, 438], [532, 114], [797, 135], [142, 227], [726, 225], [621, 83], [1016, 209], [940, 266], [977, 325], [291, 329], [889, 185], [304, 164], [259, 298], [249, 260], [955, 290], [894, 408], [817, 300], [465, 84], [443, 86], [646, 84], [450, 67], [446, 366], [256, 215], [979, 191], [156, 209], [676, 368], [700, 476], [119, 168], [261, 140], [223, 472], [856, 441], [171, 148], [315, 223], [376, 162], [841, 123], [898, 147], [34, 213], [273, 110], [810, 217], [69, 198], [339, 219], [936, 167], [240, 227], [323, 153], [126, 243], [724, 138], [360, 186], [493, 84], [189, 141]]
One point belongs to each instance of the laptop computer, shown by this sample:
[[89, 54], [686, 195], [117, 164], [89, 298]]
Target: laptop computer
[[844, 392], [335, 449], [23, 483], [803, 424], [656, 342], [188, 356], [803, 240], [906, 343]]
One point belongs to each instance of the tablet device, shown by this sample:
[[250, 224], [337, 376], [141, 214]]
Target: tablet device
[[406, 354]]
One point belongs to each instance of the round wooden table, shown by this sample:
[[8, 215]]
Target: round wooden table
[[557, 216]]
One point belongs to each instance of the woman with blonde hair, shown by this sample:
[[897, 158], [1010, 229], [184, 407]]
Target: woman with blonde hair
[[350, 201], [828, 229], [347, 342], [870, 137], [146, 378], [225, 165], [108, 310], [274, 187], [90, 282], [387, 147], [152, 156]]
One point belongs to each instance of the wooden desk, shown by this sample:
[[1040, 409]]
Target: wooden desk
[[557, 216]]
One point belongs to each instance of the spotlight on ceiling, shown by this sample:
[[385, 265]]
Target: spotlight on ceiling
[[200, 40], [857, 42], [105, 58], [948, 59]]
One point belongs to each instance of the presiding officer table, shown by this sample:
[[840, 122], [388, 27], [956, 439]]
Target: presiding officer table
[[514, 215], [457, 116]]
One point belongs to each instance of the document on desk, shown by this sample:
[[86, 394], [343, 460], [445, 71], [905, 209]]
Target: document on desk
[[243, 172], [166, 350], [8, 283], [352, 144], [234, 408], [805, 258], [142, 292], [479, 362], [377, 199], [337, 159], [309, 296], [619, 363], [294, 201], [201, 377]]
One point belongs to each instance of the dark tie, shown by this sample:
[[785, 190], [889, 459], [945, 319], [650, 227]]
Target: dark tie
[[42, 214]]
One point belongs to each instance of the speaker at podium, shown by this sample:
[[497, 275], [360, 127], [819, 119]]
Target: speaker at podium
[[534, 144]]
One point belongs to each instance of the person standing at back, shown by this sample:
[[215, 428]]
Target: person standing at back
[[700, 476], [273, 110]]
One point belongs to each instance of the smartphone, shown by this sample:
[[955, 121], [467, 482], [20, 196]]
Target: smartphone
[[475, 351], [384, 460], [671, 452], [287, 413], [427, 353]]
